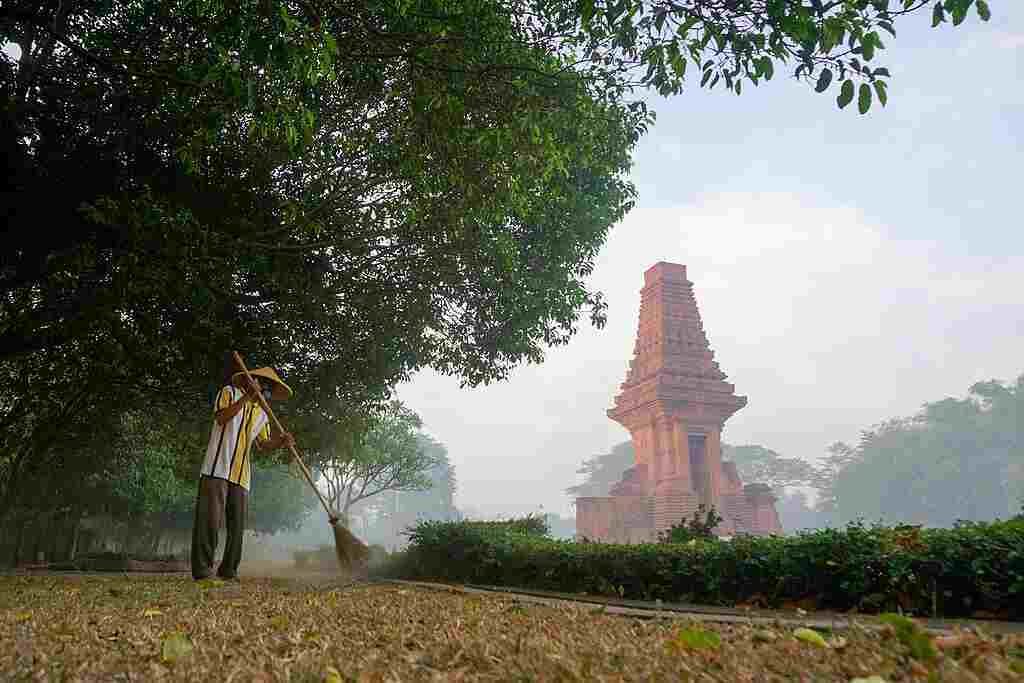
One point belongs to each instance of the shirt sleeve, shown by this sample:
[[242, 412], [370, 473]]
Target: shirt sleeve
[[223, 399]]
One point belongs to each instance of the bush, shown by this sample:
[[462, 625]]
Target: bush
[[700, 527], [872, 568], [530, 525]]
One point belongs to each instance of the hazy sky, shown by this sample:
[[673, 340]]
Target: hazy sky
[[848, 268]]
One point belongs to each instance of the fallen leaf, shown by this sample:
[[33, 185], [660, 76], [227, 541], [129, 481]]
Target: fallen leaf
[[698, 639], [911, 635], [918, 669], [765, 636], [332, 675], [151, 612], [22, 616], [870, 679], [837, 642], [810, 636], [948, 642], [175, 646]]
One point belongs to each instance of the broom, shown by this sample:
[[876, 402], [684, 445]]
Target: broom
[[351, 552]]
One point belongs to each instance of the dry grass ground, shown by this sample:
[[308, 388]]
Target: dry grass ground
[[103, 628]]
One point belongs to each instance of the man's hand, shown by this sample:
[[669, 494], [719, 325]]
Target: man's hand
[[279, 440]]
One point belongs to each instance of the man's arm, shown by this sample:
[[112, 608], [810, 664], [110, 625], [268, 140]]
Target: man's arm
[[225, 414]]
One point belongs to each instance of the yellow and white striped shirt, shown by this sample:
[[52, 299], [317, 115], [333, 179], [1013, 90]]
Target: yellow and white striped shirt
[[228, 453]]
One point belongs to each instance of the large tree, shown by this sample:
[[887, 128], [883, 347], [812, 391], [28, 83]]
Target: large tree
[[357, 188], [350, 191]]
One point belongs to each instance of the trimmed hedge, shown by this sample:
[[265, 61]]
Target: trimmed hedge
[[953, 572]]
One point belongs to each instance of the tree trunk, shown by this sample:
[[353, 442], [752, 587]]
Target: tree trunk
[[75, 531], [17, 544]]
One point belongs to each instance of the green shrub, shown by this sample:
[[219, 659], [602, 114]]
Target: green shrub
[[700, 527], [530, 525], [873, 568]]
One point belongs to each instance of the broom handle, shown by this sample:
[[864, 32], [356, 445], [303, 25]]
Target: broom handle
[[277, 423]]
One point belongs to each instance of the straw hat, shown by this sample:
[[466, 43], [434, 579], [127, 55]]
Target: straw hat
[[281, 390]]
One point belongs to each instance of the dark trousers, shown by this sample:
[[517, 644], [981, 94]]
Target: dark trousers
[[219, 502]]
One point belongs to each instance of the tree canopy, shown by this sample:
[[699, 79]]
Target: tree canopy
[[956, 459], [355, 189], [389, 454], [349, 191]]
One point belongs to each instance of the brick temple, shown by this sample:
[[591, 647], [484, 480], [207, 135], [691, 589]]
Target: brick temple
[[674, 402]]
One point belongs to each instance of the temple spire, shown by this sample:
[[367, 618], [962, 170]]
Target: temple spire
[[674, 402]]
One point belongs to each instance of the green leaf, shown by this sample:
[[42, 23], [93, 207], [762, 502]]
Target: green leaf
[[705, 79], [938, 15], [586, 11], [983, 11], [864, 98], [911, 635], [880, 91], [845, 95], [175, 646], [694, 638], [824, 80], [881, 72], [810, 636]]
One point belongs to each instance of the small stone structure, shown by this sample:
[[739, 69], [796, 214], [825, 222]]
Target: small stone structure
[[674, 402]]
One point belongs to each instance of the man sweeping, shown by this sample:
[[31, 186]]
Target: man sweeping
[[239, 422]]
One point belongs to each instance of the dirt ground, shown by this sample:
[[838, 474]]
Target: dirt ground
[[319, 628]]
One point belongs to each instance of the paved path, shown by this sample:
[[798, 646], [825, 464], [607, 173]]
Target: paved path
[[649, 610]]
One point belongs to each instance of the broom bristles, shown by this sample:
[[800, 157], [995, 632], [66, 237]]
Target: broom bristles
[[352, 553]]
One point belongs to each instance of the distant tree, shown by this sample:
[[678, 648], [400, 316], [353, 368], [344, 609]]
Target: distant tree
[[796, 513], [390, 455], [838, 457], [757, 464], [601, 472], [384, 517], [956, 459]]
